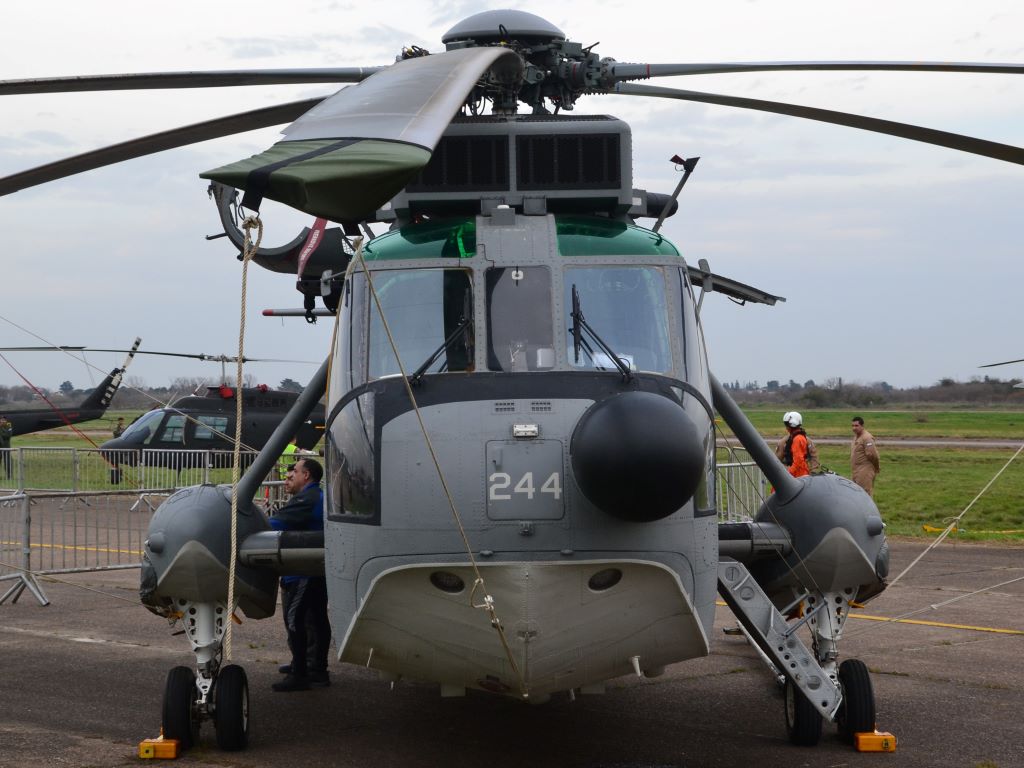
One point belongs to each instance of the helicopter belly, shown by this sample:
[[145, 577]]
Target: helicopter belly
[[565, 625]]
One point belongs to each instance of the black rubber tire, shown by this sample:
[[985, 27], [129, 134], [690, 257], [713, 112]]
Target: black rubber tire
[[231, 698], [857, 712], [179, 719], [803, 720]]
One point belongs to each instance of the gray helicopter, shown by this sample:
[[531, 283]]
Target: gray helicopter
[[520, 446]]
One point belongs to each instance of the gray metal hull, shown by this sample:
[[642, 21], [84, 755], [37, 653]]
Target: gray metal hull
[[560, 633]]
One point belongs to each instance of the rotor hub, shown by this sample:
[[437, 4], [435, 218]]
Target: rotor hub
[[490, 27], [555, 71]]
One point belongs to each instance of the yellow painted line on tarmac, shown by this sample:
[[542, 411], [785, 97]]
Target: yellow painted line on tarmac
[[922, 622], [942, 624], [76, 548]]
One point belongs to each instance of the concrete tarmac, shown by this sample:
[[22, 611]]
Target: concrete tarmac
[[82, 683]]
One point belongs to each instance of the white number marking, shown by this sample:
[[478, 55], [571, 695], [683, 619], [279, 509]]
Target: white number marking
[[526, 485], [499, 481], [552, 485]]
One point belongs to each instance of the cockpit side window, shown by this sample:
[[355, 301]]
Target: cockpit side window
[[174, 429], [626, 307], [520, 334], [348, 370], [694, 355]]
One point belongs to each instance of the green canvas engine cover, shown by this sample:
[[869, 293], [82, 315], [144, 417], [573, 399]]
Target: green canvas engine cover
[[338, 179]]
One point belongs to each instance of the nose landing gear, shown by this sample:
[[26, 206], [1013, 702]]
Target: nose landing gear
[[215, 692]]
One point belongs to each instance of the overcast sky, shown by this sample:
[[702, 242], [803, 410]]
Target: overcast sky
[[900, 262]]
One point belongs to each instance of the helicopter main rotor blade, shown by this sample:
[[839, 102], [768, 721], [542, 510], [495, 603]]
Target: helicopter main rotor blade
[[1005, 362], [352, 153], [157, 142], [616, 72], [213, 79], [975, 146]]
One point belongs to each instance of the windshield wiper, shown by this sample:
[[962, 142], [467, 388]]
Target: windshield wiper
[[460, 328], [580, 325]]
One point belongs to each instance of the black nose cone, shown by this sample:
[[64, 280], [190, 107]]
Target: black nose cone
[[637, 456]]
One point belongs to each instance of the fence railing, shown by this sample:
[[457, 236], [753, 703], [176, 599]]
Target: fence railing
[[60, 532], [741, 488], [90, 469], [71, 510], [15, 549]]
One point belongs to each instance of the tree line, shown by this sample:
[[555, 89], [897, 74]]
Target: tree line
[[836, 393], [831, 393]]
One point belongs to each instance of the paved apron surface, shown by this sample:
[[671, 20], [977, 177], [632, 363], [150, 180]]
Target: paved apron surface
[[82, 682]]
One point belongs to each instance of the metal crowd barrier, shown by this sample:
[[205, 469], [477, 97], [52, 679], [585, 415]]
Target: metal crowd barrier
[[741, 487], [81, 469], [59, 532], [71, 510], [15, 550]]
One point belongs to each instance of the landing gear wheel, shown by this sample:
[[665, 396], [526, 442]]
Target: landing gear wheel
[[857, 712], [803, 720], [180, 720], [231, 700]]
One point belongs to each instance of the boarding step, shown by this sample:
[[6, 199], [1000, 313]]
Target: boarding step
[[779, 642]]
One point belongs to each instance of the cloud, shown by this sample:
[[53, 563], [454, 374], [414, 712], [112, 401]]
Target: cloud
[[900, 262]]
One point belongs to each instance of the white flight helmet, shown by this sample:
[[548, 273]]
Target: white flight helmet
[[792, 419]]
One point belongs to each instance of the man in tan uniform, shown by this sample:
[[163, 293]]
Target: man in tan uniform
[[863, 456]]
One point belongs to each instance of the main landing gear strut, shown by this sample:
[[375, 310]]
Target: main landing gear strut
[[815, 687]]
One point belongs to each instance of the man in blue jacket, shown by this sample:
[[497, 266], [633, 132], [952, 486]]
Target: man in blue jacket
[[304, 598]]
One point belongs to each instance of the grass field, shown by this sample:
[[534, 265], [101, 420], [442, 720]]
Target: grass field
[[996, 425], [918, 486], [927, 486]]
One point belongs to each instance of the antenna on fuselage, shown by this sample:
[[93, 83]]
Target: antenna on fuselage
[[687, 165]]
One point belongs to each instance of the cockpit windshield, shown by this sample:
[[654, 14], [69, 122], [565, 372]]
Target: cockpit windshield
[[626, 306], [426, 310], [144, 427]]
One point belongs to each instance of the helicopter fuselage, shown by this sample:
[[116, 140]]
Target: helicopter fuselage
[[561, 468], [207, 423]]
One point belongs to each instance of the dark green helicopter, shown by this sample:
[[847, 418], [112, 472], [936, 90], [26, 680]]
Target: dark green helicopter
[[206, 422], [198, 422], [520, 446]]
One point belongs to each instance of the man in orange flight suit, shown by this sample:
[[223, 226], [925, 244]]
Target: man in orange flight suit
[[793, 450]]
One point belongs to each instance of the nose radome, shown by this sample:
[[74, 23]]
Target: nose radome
[[637, 456]]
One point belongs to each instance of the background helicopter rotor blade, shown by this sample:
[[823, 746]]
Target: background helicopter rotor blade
[[353, 152], [619, 72], [975, 146], [56, 349], [157, 142], [195, 356], [1005, 362]]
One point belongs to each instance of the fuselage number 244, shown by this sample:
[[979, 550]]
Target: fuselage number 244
[[501, 486]]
